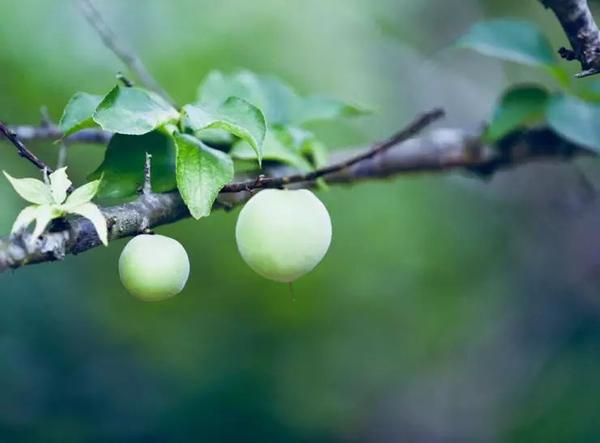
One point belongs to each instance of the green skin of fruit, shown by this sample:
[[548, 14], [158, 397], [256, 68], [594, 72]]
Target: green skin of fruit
[[283, 234], [154, 267]]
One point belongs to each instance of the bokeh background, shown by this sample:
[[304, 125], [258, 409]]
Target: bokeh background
[[448, 309]]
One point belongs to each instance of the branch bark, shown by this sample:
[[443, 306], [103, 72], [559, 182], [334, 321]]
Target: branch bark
[[23, 150], [442, 150], [27, 133], [275, 182], [583, 33]]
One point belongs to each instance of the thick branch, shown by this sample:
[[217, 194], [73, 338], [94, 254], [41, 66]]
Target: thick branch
[[443, 150], [583, 34]]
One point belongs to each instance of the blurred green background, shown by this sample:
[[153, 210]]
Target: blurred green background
[[448, 309]]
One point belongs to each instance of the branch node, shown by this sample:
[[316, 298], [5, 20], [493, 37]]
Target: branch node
[[145, 227], [123, 79], [567, 54]]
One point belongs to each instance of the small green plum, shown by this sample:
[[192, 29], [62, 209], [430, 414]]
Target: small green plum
[[154, 267], [283, 234]]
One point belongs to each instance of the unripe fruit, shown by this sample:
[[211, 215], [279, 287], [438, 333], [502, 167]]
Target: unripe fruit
[[283, 234], [154, 267]]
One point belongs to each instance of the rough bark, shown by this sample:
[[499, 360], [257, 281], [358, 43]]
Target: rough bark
[[581, 30], [50, 132]]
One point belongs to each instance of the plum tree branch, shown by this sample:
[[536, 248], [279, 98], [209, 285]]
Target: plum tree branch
[[274, 182], [584, 36], [23, 150], [112, 42], [443, 150], [51, 132], [440, 151]]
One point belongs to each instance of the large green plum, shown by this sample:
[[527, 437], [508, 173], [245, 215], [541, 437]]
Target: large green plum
[[154, 267], [283, 234]]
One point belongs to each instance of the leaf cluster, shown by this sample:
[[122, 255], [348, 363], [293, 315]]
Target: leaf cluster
[[234, 120], [572, 109]]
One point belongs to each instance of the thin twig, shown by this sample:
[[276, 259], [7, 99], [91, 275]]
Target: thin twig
[[27, 133], [23, 151], [126, 55], [411, 130], [123, 79], [147, 186]]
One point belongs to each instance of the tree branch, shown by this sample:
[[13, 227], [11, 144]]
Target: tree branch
[[126, 55], [27, 133], [23, 151], [583, 33], [275, 182], [443, 150]]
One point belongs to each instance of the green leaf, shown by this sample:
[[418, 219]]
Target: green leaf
[[31, 189], [518, 106], [218, 87], [235, 116], [514, 40], [273, 97], [305, 143], [316, 151], [273, 150], [217, 137], [315, 108], [133, 111], [93, 214], [82, 195], [59, 184], [201, 173], [122, 170], [280, 104], [575, 119], [78, 113]]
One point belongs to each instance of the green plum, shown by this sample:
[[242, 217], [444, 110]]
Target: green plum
[[283, 234], [154, 267]]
